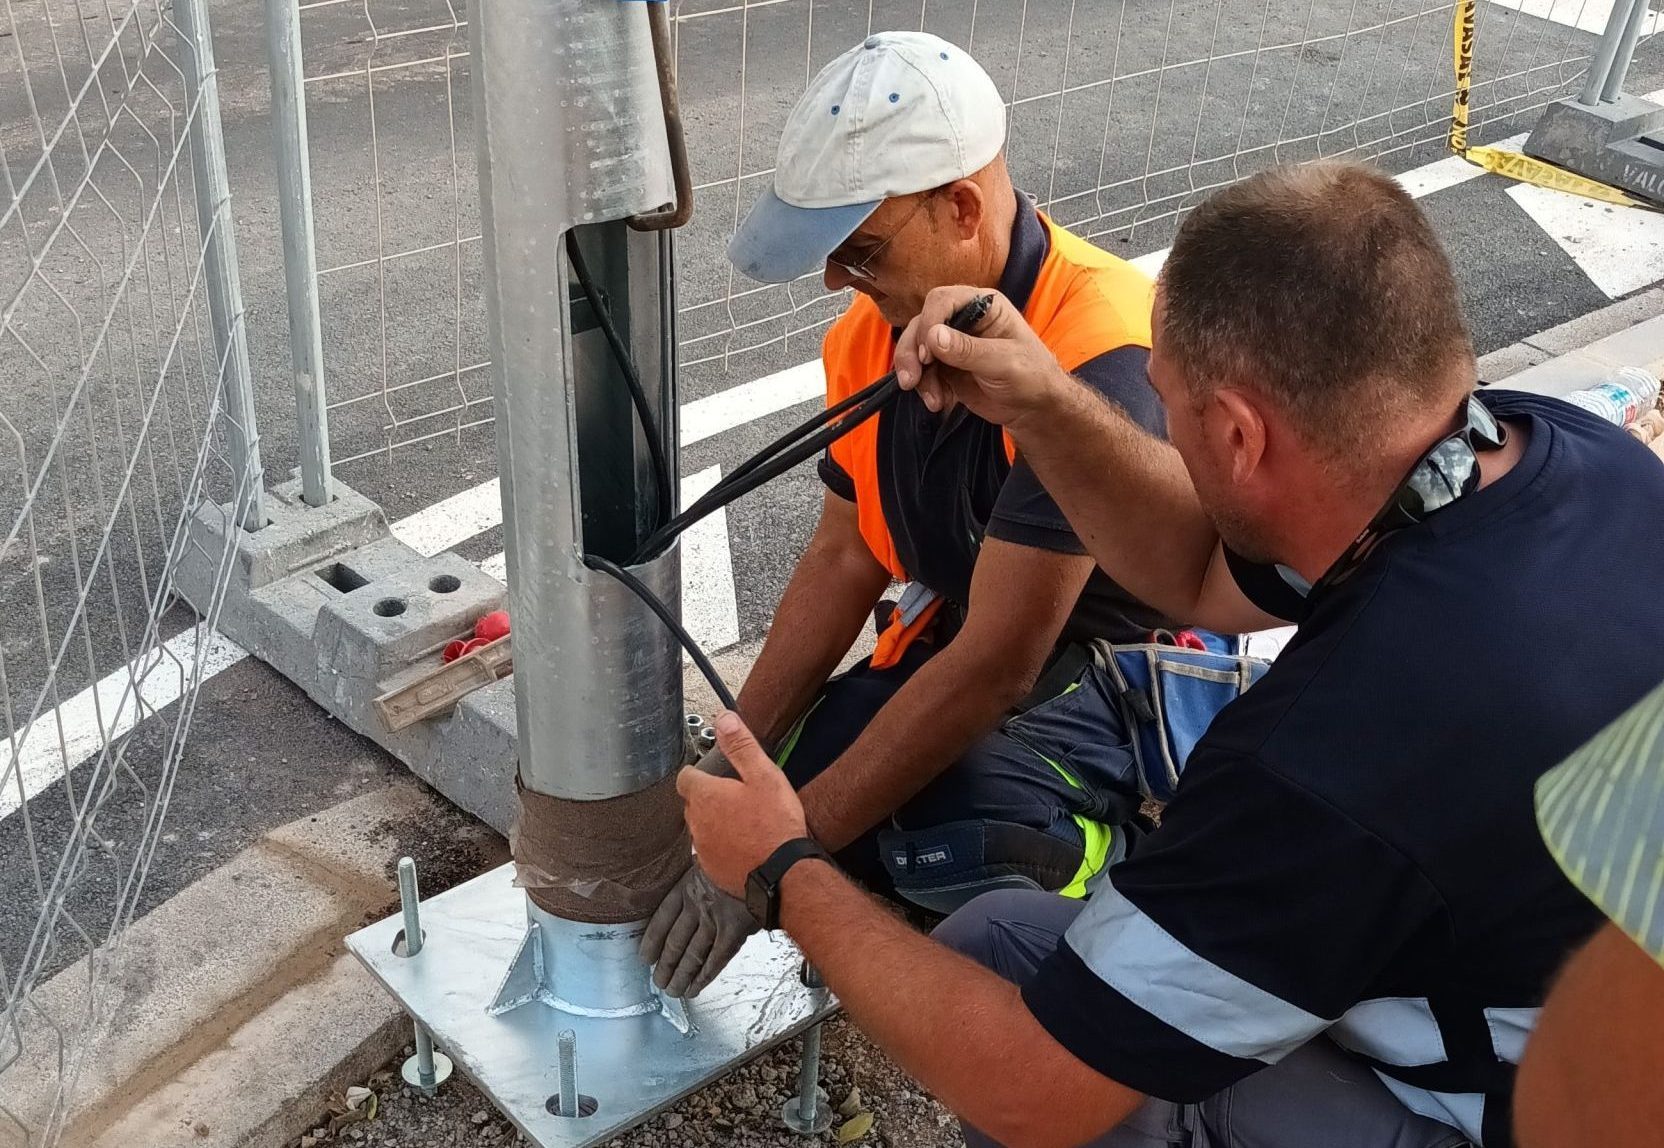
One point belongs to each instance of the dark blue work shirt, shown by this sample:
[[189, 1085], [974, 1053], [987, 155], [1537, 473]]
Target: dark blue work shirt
[[1353, 850]]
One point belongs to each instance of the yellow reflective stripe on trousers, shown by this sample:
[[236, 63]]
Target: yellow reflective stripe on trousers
[[1096, 839], [1095, 836]]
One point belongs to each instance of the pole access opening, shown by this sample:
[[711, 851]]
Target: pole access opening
[[622, 383]]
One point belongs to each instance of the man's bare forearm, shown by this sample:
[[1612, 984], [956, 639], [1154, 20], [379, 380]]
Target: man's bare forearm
[[950, 702], [826, 603], [1125, 492], [952, 1025]]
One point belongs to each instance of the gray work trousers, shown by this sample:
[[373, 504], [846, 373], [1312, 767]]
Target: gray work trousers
[[1316, 1097]]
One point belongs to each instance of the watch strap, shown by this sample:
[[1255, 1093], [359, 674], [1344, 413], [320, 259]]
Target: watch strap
[[765, 879]]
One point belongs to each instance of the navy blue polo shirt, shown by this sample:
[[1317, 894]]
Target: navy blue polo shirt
[[1353, 849], [946, 482]]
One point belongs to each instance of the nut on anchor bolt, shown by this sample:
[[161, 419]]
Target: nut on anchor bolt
[[809, 1113], [428, 1069]]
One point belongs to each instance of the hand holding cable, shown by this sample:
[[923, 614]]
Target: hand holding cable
[[999, 367], [801, 443], [804, 441]]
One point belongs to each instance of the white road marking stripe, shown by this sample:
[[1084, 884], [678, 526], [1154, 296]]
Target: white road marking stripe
[[736, 406], [710, 607], [1151, 264], [1620, 249], [1587, 15], [1419, 182], [435, 529], [1268, 644], [105, 711]]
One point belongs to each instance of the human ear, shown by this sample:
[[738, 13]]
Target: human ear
[[1241, 425]]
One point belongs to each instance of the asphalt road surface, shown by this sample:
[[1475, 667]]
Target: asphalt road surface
[[1118, 159]]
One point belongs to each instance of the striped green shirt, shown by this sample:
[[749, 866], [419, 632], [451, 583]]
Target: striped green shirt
[[1602, 814]]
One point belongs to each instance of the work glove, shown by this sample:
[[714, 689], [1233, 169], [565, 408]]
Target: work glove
[[697, 928], [693, 934]]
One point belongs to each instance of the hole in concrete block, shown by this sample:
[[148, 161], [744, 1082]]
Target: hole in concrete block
[[342, 577], [389, 607], [445, 584], [398, 943], [587, 1105]]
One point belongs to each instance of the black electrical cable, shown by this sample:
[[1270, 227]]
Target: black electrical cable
[[793, 447], [665, 496], [805, 428], [797, 445], [636, 587], [763, 467]]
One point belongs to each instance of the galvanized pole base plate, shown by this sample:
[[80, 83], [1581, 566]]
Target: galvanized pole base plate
[[632, 1067]]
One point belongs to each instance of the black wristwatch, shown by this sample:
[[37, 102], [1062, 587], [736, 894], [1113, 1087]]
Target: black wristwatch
[[762, 888]]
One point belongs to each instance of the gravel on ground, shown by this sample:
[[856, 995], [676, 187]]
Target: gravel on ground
[[740, 1110]]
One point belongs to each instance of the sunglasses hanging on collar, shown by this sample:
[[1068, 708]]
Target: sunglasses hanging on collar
[[1442, 476]]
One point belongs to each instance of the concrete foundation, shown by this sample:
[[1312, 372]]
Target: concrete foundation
[[1619, 143], [331, 600]]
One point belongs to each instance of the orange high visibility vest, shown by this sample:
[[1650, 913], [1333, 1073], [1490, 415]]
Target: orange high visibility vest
[[1085, 303]]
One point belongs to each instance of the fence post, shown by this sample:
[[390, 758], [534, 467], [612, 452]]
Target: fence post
[[1607, 51], [1604, 133], [219, 244], [300, 260], [1626, 50]]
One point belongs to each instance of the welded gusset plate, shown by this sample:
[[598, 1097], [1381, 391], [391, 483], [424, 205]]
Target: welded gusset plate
[[634, 1067]]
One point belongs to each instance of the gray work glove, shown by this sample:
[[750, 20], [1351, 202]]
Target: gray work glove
[[697, 928], [693, 934]]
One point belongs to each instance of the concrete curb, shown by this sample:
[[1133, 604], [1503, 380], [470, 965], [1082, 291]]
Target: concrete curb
[[1628, 333], [231, 1011], [271, 1079]]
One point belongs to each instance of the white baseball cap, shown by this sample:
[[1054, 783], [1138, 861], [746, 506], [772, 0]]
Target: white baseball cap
[[902, 112]]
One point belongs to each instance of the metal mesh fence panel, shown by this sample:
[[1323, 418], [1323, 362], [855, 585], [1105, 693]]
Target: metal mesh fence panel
[[112, 431], [1123, 114], [397, 215]]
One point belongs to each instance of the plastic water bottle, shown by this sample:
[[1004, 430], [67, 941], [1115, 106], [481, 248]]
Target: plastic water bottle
[[1620, 399]]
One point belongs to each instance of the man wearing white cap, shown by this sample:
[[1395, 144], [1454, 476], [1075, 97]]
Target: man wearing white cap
[[985, 744]]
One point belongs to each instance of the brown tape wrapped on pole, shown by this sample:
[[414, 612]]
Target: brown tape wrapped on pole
[[605, 862]]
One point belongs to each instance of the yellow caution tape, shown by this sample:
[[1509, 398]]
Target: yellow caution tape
[[1514, 165]]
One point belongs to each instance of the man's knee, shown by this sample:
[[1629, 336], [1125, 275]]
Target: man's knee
[[1009, 931], [943, 867], [967, 930]]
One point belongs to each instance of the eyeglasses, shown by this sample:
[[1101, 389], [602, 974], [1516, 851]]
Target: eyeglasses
[[1444, 474], [859, 270]]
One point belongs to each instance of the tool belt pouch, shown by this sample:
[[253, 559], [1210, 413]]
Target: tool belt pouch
[[1168, 697]]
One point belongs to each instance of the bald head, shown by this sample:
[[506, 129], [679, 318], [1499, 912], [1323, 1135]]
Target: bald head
[[1323, 288]]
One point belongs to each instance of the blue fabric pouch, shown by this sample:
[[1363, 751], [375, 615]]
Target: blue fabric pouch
[[1169, 696]]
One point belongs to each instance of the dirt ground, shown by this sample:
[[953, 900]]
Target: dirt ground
[[740, 1110]]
